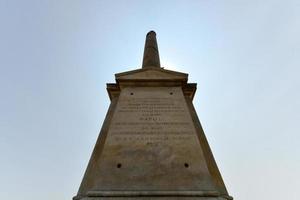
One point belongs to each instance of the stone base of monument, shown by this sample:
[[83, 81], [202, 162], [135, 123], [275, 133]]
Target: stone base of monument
[[155, 198], [158, 195]]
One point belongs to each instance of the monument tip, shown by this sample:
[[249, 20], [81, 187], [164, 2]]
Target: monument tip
[[151, 32]]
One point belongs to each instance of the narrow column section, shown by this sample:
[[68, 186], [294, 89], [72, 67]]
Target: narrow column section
[[151, 55]]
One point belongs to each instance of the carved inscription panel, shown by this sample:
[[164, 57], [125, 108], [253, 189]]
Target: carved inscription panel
[[152, 143]]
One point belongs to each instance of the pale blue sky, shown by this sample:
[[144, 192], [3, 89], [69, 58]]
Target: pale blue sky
[[57, 56]]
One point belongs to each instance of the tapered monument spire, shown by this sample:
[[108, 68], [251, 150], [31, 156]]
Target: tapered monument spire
[[151, 55]]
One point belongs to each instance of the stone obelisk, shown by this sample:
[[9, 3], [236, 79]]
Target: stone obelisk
[[152, 145]]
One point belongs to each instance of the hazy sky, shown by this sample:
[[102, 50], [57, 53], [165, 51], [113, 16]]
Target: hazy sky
[[57, 56]]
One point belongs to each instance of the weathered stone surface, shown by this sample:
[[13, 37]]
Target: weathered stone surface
[[152, 145]]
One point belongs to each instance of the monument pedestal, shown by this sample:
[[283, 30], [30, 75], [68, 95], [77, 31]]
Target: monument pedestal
[[151, 145], [155, 198]]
